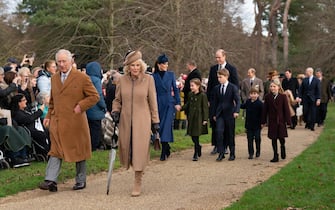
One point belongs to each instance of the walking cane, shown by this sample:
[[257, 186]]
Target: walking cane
[[112, 155]]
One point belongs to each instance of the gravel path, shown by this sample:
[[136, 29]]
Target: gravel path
[[177, 183]]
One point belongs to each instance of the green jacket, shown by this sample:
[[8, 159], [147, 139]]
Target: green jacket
[[197, 112]]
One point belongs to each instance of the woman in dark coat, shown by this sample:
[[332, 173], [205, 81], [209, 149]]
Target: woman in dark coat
[[277, 113], [168, 102], [24, 117]]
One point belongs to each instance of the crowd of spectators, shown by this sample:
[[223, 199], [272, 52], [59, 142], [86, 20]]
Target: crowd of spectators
[[31, 84]]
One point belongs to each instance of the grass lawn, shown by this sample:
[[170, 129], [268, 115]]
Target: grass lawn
[[308, 182]]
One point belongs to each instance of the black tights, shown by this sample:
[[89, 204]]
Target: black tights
[[274, 144]]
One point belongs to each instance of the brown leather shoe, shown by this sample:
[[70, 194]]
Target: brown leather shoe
[[79, 186]]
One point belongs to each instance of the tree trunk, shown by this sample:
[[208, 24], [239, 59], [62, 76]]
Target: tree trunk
[[273, 35], [257, 34], [285, 33]]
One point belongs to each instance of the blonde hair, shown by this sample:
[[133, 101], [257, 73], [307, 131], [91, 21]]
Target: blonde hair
[[277, 83], [143, 67], [24, 70]]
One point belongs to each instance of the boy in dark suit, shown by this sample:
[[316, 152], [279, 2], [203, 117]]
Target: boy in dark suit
[[253, 107], [226, 106]]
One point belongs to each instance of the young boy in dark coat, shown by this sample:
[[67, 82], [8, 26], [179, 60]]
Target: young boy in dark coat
[[253, 126], [226, 105]]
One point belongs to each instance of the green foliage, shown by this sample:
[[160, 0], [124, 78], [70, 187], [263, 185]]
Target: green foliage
[[306, 183]]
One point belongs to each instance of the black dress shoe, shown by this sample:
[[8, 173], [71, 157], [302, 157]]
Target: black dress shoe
[[257, 154], [48, 185], [312, 129], [231, 158], [250, 157], [220, 157], [79, 186]]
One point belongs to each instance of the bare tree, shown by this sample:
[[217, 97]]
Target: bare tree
[[285, 32], [273, 33]]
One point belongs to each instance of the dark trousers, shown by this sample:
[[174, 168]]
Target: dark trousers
[[225, 134], [321, 113], [309, 113], [213, 126], [251, 136], [95, 132]]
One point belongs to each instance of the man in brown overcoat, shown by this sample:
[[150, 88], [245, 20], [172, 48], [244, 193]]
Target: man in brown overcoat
[[72, 93]]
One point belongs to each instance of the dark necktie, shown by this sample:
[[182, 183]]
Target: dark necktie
[[251, 83], [222, 89]]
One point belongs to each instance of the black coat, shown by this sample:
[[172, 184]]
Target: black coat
[[228, 104], [254, 111], [27, 119], [292, 85], [193, 74], [213, 79]]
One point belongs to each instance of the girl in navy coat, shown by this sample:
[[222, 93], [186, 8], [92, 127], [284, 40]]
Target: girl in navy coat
[[168, 101]]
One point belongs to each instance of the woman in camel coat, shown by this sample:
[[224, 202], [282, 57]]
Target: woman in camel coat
[[135, 105]]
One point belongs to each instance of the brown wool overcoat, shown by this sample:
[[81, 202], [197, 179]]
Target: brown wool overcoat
[[137, 103], [69, 132]]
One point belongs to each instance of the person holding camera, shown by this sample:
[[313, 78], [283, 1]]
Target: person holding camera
[[25, 86], [135, 108]]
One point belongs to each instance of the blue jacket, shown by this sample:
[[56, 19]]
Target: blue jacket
[[167, 98], [97, 112]]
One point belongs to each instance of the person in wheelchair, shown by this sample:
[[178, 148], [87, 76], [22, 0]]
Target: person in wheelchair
[[14, 141], [30, 120]]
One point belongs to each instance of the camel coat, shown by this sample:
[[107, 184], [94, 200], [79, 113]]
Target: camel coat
[[137, 103], [69, 132]]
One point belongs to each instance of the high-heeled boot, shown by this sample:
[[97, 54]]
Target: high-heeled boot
[[137, 184]]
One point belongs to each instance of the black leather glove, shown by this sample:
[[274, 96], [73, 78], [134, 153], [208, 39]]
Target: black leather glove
[[155, 127], [116, 116]]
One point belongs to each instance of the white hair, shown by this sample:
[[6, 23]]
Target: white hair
[[64, 52]]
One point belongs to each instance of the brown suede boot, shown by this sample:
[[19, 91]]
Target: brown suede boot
[[137, 184]]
